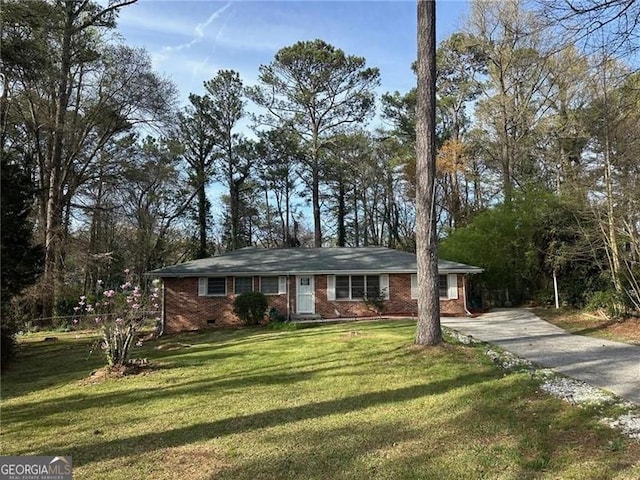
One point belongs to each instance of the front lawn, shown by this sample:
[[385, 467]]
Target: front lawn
[[349, 401]]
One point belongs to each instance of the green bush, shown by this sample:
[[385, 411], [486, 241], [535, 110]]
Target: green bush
[[250, 307], [275, 316], [607, 300], [8, 341]]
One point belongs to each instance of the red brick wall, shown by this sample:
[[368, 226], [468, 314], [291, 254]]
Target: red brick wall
[[185, 310], [399, 303], [454, 308]]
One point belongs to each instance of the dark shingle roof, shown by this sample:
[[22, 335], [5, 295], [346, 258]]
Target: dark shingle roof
[[259, 261]]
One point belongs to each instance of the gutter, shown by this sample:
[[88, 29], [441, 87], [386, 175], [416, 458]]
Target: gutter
[[162, 312], [464, 295]]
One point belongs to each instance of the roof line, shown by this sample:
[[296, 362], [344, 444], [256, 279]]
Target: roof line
[[299, 273]]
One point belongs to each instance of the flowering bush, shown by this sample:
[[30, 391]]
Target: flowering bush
[[121, 313]]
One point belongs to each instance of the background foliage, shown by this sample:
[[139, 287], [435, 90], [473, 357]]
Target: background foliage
[[537, 166]]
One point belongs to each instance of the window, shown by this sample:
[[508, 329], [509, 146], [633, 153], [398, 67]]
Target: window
[[373, 287], [242, 285], [217, 286], [343, 287], [357, 287], [447, 286], [269, 285], [212, 286], [443, 282]]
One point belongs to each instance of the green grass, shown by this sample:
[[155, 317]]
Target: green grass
[[350, 401]]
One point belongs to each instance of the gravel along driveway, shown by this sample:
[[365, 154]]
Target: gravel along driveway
[[612, 366]]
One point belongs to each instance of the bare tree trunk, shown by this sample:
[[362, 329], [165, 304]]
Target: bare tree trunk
[[287, 195], [356, 222], [53, 209], [505, 159], [271, 241], [612, 240], [428, 331], [315, 192], [202, 216], [342, 231], [611, 221], [365, 221], [95, 233], [54, 173]]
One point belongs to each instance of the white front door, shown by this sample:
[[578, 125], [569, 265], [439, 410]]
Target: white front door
[[305, 294]]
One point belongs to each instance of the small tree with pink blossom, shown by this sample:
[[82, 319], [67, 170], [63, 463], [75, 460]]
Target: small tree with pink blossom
[[121, 314]]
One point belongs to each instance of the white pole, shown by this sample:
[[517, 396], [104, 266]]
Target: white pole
[[555, 289]]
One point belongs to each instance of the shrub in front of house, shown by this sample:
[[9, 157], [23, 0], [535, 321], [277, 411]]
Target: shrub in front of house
[[375, 301], [275, 316], [250, 307]]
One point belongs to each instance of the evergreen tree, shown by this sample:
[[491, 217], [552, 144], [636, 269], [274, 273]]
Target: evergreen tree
[[21, 260]]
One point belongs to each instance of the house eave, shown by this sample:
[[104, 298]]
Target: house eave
[[210, 273], [306, 261]]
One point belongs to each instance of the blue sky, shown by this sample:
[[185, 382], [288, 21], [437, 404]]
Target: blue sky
[[189, 41]]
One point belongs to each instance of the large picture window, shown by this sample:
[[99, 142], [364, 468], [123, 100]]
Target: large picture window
[[357, 287]]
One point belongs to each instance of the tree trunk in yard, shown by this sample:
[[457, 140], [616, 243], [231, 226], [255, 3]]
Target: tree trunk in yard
[[611, 235], [428, 331], [53, 224], [202, 215], [342, 231], [315, 190]]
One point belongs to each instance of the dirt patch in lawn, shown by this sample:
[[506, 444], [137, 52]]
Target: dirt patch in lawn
[[135, 367]]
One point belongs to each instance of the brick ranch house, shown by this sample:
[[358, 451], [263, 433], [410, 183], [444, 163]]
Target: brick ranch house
[[303, 283]]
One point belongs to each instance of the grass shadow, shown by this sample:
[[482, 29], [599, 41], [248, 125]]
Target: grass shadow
[[137, 444]]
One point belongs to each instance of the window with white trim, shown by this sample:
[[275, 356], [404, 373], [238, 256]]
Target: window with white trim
[[269, 285], [357, 287], [242, 285], [453, 286], [443, 284], [447, 286], [212, 286], [273, 285]]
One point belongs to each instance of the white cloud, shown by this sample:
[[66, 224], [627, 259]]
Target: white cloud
[[199, 30], [133, 19]]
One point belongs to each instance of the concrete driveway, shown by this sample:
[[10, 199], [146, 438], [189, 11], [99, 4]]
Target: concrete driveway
[[609, 365]]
